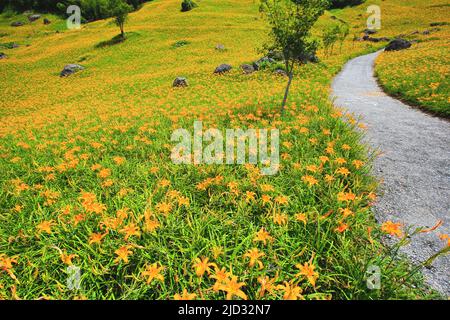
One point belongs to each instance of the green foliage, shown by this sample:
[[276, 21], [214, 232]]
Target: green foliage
[[188, 5], [333, 34], [329, 38], [344, 3], [180, 43], [91, 9]]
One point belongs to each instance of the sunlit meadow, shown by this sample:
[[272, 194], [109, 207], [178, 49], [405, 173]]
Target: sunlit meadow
[[87, 180]]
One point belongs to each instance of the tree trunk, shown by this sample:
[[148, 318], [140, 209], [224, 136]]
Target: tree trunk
[[286, 93], [122, 32]]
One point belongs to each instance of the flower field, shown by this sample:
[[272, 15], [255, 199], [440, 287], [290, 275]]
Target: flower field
[[420, 76], [87, 180]]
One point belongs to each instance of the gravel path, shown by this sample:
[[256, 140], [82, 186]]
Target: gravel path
[[414, 165]]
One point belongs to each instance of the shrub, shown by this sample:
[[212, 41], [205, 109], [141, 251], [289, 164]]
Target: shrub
[[344, 3], [91, 9], [187, 5]]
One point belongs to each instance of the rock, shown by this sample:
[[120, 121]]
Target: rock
[[180, 82], [263, 60], [220, 47], [247, 68], [34, 17], [398, 44], [276, 55], [223, 68], [429, 31], [46, 21], [372, 39], [3, 56], [370, 31], [309, 58], [17, 24], [280, 72], [70, 69]]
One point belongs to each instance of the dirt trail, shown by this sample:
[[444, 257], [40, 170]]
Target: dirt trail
[[414, 165]]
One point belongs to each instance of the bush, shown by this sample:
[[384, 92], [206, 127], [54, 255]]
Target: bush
[[187, 5], [344, 3], [90, 9]]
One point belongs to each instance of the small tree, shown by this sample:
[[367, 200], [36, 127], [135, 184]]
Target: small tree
[[344, 31], [119, 10], [291, 22], [329, 38]]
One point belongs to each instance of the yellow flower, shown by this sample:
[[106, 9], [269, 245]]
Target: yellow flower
[[46, 226], [233, 288], [301, 217], [307, 270], [67, 258], [220, 275], [254, 255], [153, 272], [96, 238], [392, 228], [310, 180], [123, 253], [282, 200], [202, 265], [185, 296], [344, 171], [291, 291], [267, 284], [341, 228], [263, 236], [280, 218], [164, 208], [131, 230], [265, 198]]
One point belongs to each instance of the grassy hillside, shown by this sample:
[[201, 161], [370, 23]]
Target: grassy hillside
[[87, 177], [420, 75]]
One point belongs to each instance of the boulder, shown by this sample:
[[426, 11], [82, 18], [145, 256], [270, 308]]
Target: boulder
[[220, 47], [34, 17], [70, 69], [247, 68], [180, 82], [3, 56], [223, 68], [373, 39], [280, 72], [309, 58], [398, 44], [263, 60], [46, 21], [370, 31], [17, 24], [429, 31], [275, 55]]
